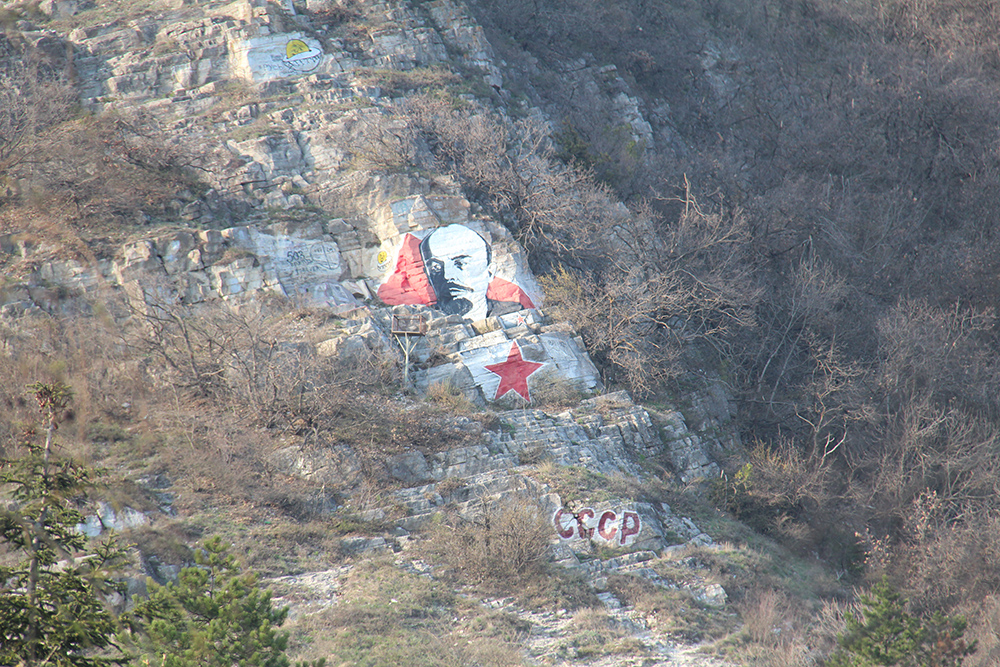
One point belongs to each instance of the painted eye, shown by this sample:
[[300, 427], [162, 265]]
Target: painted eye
[[435, 266]]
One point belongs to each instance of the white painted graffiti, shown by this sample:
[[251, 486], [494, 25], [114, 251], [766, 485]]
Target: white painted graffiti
[[298, 57], [609, 527], [307, 269], [277, 56]]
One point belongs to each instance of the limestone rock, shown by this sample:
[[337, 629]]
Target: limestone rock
[[461, 33], [410, 468], [337, 467], [356, 345], [107, 518], [713, 595], [58, 9]]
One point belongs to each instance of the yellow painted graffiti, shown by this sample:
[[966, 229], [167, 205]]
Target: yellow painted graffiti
[[295, 47]]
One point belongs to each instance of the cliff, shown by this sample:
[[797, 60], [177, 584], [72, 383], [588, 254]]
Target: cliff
[[313, 305]]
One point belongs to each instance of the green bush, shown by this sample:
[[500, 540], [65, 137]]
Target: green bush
[[212, 616], [53, 585], [883, 633]]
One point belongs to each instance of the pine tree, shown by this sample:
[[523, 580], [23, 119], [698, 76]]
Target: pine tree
[[213, 616], [53, 599], [883, 633]]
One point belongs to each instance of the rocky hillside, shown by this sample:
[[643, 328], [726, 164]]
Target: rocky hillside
[[304, 265]]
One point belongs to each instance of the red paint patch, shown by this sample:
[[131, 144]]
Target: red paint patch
[[504, 290], [514, 373], [630, 526], [565, 533], [408, 284], [607, 532]]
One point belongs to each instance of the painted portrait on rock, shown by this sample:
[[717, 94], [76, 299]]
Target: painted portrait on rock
[[449, 268]]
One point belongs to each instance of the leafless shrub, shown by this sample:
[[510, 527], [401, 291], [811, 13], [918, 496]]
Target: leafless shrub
[[931, 492], [669, 286], [619, 318], [383, 141], [984, 629], [554, 210], [785, 477], [503, 542], [704, 257], [940, 353], [932, 449], [836, 402], [243, 358], [34, 95], [948, 556]]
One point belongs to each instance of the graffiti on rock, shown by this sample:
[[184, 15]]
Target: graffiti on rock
[[276, 56], [299, 57], [609, 527], [499, 365], [306, 269], [449, 268], [513, 374]]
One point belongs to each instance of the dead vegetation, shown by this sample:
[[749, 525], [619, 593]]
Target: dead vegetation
[[856, 144], [816, 218], [500, 542]]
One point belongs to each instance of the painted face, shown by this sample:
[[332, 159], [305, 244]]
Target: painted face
[[457, 260]]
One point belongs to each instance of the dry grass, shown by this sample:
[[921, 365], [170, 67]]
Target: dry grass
[[576, 484], [553, 392], [593, 634], [765, 615], [387, 617], [396, 82], [672, 613], [501, 543], [773, 630], [448, 396]]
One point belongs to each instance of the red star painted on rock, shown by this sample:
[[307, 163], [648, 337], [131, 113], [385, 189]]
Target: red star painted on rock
[[514, 373]]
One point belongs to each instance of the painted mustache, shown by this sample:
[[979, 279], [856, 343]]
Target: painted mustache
[[452, 287]]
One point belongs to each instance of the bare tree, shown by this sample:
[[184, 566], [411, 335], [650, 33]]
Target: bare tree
[[557, 211], [945, 354], [32, 99], [382, 140]]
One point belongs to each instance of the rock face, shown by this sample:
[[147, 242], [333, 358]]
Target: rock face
[[106, 518], [606, 435], [468, 293], [272, 103]]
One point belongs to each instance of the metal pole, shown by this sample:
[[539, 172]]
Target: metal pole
[[406, 362]]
